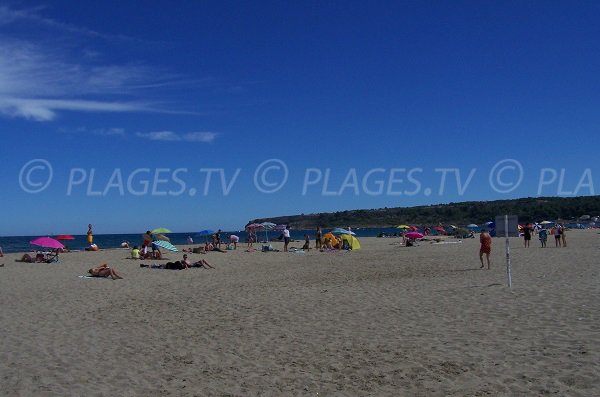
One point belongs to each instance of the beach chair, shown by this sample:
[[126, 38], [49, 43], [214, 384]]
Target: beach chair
[[52, 257]]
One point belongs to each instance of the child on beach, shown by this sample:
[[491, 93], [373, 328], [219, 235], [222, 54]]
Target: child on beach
[[306, 245]]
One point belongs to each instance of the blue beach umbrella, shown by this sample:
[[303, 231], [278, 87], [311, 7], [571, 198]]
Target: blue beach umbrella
[[206, 233]]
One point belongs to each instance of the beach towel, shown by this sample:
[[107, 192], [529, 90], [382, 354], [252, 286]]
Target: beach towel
[[100, 278]]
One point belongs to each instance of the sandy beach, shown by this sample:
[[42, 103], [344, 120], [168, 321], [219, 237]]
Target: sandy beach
[[383, 321]]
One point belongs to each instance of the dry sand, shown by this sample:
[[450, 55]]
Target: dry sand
[[385, 320]]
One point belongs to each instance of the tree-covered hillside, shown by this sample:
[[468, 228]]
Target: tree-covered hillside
[[527, 209]]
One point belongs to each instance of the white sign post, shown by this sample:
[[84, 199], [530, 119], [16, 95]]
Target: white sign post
[[509, 224], [508, 275]]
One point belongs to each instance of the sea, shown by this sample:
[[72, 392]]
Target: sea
[[105, 241]]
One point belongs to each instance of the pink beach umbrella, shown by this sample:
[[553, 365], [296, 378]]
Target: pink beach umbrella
[[414, 235], [47, 242]]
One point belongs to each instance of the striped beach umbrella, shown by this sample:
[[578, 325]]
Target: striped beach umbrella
[[166, 245]]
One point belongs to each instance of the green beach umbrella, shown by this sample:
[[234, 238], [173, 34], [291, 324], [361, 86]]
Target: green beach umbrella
[[161, 230]]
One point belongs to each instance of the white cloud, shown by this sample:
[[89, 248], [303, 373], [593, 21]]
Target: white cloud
[[39, 79], [204, 137], [45, 109]]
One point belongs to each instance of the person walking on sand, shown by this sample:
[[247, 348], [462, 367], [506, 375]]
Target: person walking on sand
[[486, 248], [90, 235], [286, 238]]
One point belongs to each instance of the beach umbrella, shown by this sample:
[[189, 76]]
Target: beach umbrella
[[206, 233], [47, 242], [339, 230], [268, 226], [403, 227], [165, 244], [161, 230], [413, 235], [472, 225], [161, 237], [545, 222], [65, 237]]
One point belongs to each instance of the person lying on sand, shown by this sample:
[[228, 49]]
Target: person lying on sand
[[201, 263], [209, 247], [104, 271], [39, 258]]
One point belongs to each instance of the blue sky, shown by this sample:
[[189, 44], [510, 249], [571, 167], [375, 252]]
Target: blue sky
[[114, 95]]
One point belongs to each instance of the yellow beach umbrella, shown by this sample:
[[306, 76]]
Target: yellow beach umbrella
[[403, 227]]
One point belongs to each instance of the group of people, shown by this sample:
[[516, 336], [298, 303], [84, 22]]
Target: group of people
[[559, 232], [40, 257]]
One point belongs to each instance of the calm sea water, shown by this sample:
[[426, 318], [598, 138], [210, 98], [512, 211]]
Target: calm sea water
[[21, 243]]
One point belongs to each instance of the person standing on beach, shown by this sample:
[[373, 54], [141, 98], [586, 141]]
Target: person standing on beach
[[527, 235], [557, 235], [217, 239], [543, 235], [486, 248], [250, 237], [90, 235], [562, 235], [318, 236], [286, 238]]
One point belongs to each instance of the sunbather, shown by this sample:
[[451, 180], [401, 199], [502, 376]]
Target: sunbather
[[104, 271], [39, 258]]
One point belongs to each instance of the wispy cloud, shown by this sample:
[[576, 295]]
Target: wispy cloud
[[202, 137], [10, 15], [45, 109], [109, 131], [38, 81]]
